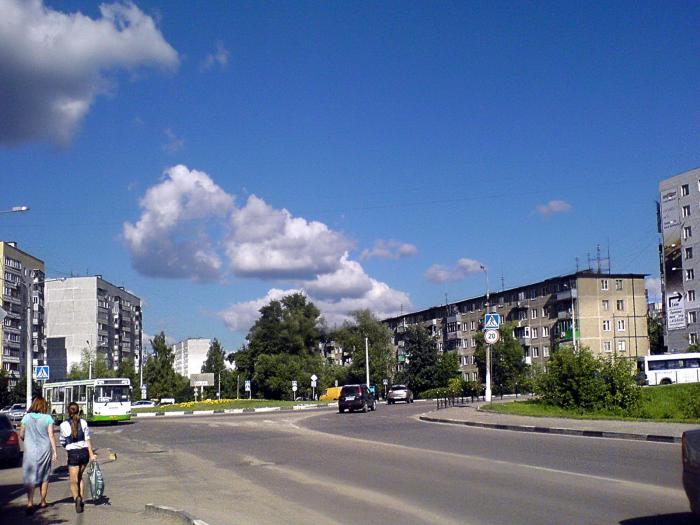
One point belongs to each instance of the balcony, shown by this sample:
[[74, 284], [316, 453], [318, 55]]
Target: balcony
[[567, 295], [563, 315], [524, 340]]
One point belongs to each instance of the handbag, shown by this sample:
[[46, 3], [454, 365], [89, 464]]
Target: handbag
[[97, 481]]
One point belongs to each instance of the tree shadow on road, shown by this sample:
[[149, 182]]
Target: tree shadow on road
[[679, 518]]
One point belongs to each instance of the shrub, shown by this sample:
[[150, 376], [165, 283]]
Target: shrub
[[578, 380]]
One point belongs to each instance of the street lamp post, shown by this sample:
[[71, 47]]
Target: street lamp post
[[487, 394], [29, 361]]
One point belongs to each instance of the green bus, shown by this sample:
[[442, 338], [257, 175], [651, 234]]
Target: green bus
[[100, 399]]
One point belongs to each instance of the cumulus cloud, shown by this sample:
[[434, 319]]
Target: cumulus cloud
[[349, 280], [552, 207], [390, 249], [218, 57], [240, 317], [171, 238], [439, 273], [53, 65], [653, 287], [270, 243]]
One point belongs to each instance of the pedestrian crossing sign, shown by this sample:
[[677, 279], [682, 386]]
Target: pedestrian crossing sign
[[41, 373], [492, 321]]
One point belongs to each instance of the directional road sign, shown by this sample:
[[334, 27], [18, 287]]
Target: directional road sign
[[41, 373], [492, 321], [491, 337], [247, 385]]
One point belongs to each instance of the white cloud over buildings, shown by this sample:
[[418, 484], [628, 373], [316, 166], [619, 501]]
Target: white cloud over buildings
[[191, 228], [439, 273], [391, 249], [53, 64], [553, 207]]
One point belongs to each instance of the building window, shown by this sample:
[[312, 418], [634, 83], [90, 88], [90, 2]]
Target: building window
[[692, 317], [687, 232], [473, 325], [534, 333], [693, 338], [603, 284], [618, 284], [544, 311], [691, 296], [607, 347], [545, 351], [685, 190], [606, 325], [526, 351], [622, 346], [533, 313], [686, 210], [688, 253], [620, 325], [689, 274], [535, 351], [620, 305], [606, 305]]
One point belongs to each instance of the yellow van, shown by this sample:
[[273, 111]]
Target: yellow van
[[331, 394]]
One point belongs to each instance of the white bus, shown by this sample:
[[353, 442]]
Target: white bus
[[102, 399], [667, 369]]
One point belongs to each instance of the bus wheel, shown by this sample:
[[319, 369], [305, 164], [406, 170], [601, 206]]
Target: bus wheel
[[665, 381]]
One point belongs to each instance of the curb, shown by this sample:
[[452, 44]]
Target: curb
[[230, 411], [560, 431], [181, 515]]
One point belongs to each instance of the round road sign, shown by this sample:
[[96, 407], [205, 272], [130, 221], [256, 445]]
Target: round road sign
[[491, 337]]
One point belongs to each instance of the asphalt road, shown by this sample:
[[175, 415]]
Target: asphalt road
[[386, 466]]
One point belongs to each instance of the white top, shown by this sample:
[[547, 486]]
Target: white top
[[65, 429]]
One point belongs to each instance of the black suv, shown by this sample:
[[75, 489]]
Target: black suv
[[356, 397]]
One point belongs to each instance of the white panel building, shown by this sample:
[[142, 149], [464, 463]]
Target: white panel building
[[89, 313], [190, 355]]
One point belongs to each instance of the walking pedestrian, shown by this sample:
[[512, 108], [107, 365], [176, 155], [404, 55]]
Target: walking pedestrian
[[39, 451], [75, 437]]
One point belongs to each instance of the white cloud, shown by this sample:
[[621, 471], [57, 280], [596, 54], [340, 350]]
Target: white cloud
[[53, 65], [438, 273], [349, 280], [653, 286], [218, 57], [170, 239], [269, 243], [174, 143], [552, 207], [390, 249]]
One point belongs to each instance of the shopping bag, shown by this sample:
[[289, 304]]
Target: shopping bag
[[96, 481]]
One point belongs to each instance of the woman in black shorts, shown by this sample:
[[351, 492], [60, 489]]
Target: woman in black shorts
[[75, 437]]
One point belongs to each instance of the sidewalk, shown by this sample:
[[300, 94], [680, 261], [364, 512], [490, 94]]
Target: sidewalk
[[61, 508], [470, 415]]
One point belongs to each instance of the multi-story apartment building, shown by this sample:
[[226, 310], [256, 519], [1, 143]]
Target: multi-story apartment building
[[608, 311], [333, 354], [190, 355], [22, 299], [89, 313], [679, 225]]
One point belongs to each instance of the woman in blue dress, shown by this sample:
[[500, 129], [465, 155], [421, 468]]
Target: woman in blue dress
[[39, 450]]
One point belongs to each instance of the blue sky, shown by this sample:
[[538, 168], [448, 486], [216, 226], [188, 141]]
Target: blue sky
[[209, 156]]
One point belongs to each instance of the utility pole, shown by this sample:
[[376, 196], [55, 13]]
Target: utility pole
[[29, 355], [488, 347], [367, 359]]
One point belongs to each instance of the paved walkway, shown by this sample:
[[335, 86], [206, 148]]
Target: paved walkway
[[470, 415]]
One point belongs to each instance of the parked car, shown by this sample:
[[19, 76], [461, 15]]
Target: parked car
[[17, 412], [690, 450], [5, 410], [167, 401], [356, 397], [331, 394], [9, 442], [399, 393], [143, 403]]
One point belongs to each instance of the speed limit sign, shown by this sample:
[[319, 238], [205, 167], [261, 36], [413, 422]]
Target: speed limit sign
[[491, 337]]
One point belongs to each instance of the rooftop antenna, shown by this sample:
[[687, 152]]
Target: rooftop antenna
[[576, 264], [597, 256], [609, 261]]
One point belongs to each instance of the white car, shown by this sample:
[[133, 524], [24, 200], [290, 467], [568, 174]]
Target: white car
[[144, 403]]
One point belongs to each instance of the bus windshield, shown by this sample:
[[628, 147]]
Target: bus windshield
[[113, 393]]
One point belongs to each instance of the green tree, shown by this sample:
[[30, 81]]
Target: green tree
[[214, 364], [81, 370], [159, 374], [6, 394], [127, 370], [421, 371], [656, 335], [507, 366], [447, 369], [19, 392], [382, 360]]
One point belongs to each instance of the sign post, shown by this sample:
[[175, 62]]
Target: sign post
[[492, 322], [294, 389], [385, 382], [313, 386], [247, 388]]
